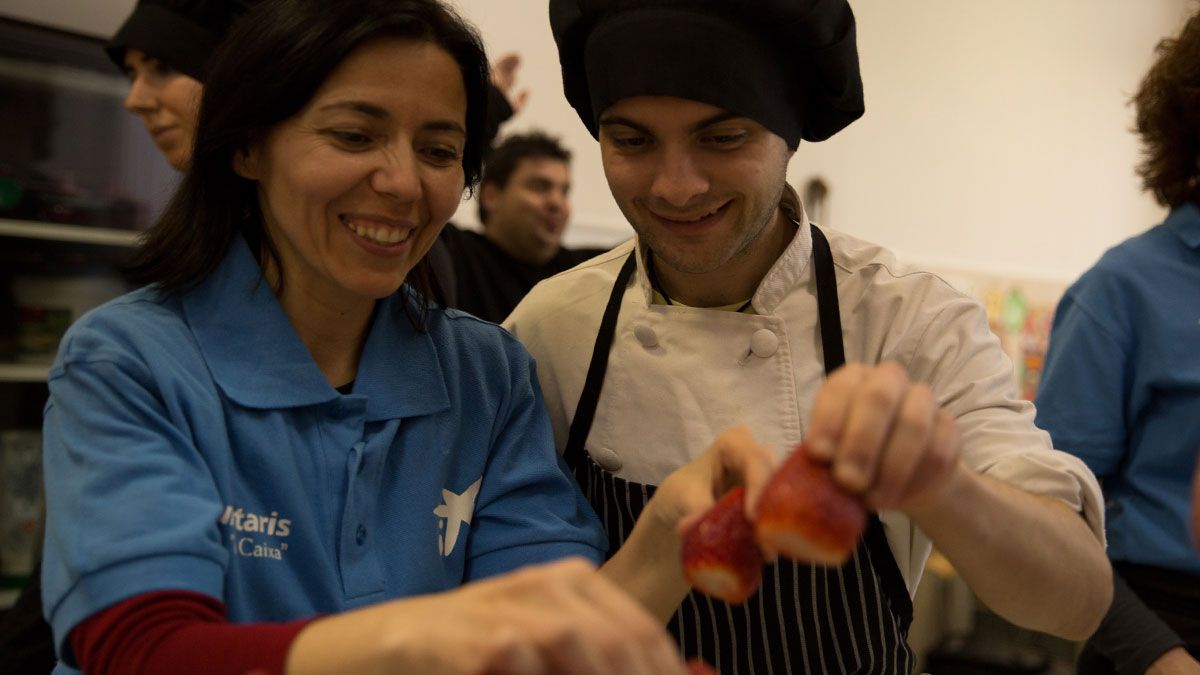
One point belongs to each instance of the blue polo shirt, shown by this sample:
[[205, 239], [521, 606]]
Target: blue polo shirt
[[1121, 387], [192, 443]]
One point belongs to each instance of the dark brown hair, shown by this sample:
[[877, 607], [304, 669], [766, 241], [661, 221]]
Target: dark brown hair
[[1168, 119], [268, 68], [502, 161]]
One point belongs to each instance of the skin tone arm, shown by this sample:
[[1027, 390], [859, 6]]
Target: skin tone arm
[[556, 619], [1031, 559]]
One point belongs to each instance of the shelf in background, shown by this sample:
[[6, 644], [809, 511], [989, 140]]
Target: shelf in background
[[78, 234], [24, 372]]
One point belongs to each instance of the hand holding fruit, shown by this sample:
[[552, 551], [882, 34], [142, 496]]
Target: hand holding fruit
[[886, 438], [801, 514]]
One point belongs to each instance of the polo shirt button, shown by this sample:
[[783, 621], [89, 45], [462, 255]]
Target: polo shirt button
[[764, 343], [645, 335], [360, 535], [607, 459]]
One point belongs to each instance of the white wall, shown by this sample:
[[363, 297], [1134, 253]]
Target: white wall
[[996, 137], [99, 18]]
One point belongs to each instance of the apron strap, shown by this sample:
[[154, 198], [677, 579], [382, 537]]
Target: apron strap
[[585, 411], [828, 310], [882, 558]]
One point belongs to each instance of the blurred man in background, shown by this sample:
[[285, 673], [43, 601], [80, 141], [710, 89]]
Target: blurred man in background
[[524, 206]]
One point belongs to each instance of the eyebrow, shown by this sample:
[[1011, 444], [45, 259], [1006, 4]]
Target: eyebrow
[[723, 116], [376, 112]]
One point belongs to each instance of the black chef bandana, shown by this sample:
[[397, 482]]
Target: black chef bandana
[[180, 33], [790, 65]]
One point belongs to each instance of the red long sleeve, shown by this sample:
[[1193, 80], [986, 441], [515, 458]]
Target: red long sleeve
[[179, 633]]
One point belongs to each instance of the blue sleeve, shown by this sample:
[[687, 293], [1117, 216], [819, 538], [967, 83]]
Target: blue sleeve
[[1085, 384], [131, 506], [530, 508]]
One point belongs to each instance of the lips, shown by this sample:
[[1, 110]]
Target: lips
[[695, 219]]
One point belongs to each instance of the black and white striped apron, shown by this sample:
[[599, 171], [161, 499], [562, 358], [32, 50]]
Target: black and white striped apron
[[814, 620]]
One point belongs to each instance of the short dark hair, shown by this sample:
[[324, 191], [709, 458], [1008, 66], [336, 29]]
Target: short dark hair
[[503, 160], [1168, 119], [266, 71]]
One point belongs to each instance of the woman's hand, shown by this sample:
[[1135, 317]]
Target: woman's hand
[[556, 619], [649, 565], [734, 458]]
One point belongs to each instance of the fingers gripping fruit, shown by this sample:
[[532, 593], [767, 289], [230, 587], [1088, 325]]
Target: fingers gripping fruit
[[804, 515], [720, 556]]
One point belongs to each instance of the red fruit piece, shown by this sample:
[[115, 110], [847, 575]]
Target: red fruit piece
[[804, 515], [698, 667], [720, 556]]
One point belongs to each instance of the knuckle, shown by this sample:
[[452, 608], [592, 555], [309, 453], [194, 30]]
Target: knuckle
[[916, 420], [879, 395]]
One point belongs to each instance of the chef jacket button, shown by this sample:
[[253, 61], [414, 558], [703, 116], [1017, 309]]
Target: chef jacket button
[[645, 335], [764, 343], [607, 459]]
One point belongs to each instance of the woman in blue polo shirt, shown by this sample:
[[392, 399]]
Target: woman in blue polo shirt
[[1121, 388], [280, 426]]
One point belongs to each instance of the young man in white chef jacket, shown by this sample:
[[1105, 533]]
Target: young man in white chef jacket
[[722, 321]]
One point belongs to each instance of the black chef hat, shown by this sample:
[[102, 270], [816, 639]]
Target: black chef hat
[[180, 33], [790, 65]]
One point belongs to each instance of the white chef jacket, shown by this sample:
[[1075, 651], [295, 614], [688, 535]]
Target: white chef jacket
[[678, 376]]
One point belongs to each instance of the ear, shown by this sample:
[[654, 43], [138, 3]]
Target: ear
[[246, 163], [489, 194]]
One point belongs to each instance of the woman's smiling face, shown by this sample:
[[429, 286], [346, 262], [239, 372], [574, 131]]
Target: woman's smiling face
[[355, 188]]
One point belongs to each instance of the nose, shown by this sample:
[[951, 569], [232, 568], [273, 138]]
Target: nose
[[398, 175], [558, 202], [678, 178], [141, 97]]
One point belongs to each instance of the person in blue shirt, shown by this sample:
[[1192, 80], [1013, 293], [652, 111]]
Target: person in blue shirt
[[1121, 387], [279, 455]]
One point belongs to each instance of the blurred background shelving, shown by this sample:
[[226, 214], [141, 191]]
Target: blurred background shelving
[[79, 182]]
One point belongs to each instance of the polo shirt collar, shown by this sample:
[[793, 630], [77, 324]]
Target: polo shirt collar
[[256, 357], [1184, 221]]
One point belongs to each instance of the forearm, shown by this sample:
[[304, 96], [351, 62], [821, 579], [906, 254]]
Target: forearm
[[648, 567], [1031, 559], [361, 642]]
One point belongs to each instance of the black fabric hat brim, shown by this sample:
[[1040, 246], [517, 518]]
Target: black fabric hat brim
[[813, 43], [173, 39], [692, 55]]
